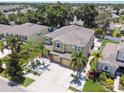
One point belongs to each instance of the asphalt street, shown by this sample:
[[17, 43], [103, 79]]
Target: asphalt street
[[8, 87]]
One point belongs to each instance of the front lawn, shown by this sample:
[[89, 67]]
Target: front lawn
[[27, 82], [91, 86]]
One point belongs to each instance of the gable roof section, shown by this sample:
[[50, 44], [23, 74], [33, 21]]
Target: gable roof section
[[75, 35], [4, 27], [110, 54], [27, 29]]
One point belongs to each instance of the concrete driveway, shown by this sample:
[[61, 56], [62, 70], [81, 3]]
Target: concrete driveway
[[55, 79]]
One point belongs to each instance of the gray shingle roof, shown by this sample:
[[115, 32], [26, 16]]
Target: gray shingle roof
[[75, 35], [4, 27], [110, 54], [27, 29]]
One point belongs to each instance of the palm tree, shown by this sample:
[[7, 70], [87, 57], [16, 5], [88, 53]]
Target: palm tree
[[78, 62], [14, 42], [1, 46], [97, 56]]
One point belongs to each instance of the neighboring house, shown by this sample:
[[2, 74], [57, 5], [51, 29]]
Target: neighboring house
[[113, 58], [68, 39], [27, 31], [113, 26]]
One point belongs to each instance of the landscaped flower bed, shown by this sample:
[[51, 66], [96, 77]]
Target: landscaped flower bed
[[121, 85]]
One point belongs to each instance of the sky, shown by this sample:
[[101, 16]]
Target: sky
[[74, 1]]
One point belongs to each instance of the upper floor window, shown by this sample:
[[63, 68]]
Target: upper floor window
[[78, 48], [58, 44], [47, 39], [38, 34], [67, 45]]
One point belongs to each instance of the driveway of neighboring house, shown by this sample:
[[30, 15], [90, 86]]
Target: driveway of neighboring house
[[56, 78]]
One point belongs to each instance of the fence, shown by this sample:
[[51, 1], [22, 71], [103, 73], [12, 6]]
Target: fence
[[114, 39]]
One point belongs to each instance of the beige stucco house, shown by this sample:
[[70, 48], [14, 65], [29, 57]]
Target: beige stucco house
[[113, 58], [68, 39]]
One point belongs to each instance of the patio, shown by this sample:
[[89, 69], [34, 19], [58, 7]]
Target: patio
[[39, 65]]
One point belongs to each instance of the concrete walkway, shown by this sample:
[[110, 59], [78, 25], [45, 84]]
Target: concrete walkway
[[116, 83]]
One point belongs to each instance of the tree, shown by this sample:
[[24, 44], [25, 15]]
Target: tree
[[59, 14], [103, 20], [87, 13], [122, 80], [1, 69], [12, 17], [13, 68], [99, 33], [14, 42], [97, 56], [78, 62]]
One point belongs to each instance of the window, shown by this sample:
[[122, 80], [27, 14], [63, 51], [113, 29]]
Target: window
[[105, 68], [58, 44], [38, 34], [123, 56], [67, 45], [47, 39], [78, 48], [73, 46]]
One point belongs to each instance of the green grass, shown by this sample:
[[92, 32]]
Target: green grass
[[117, 30], [91, 86], [27, 82], [73, 89], [24, 81], [93, 65]]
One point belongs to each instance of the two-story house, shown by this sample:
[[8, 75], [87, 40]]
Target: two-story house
[[113, 58], [68, 39]]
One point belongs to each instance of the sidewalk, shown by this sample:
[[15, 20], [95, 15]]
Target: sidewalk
[[116, 83]]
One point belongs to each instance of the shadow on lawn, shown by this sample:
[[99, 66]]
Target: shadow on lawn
[[15, 82]]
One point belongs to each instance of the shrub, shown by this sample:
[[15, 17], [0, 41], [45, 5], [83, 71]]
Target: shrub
[[103, 76], [122, 80], [109, 81]]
